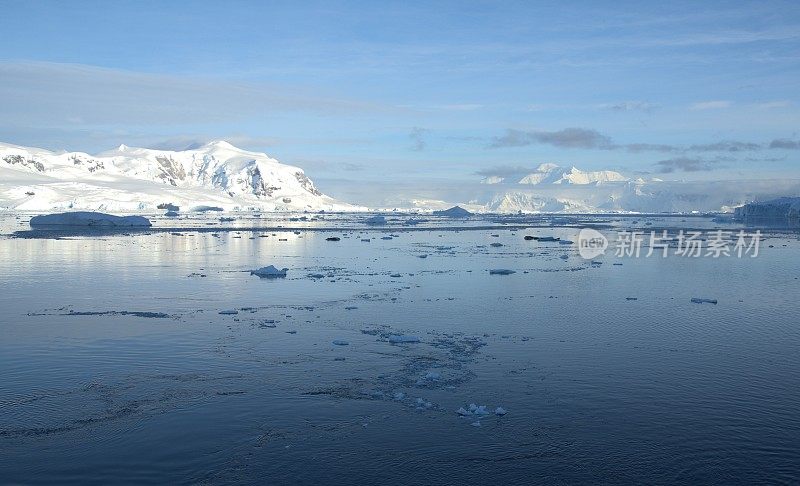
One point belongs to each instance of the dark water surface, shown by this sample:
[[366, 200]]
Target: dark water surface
[[119, 368]]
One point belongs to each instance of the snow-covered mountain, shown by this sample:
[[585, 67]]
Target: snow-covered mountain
[[553, 174], [135, 179]]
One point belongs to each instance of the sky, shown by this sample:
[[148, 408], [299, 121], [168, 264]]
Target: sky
[[404, 95]]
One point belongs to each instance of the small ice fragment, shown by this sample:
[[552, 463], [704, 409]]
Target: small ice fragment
[[432, 376], [500, 411], [477, 423], [229, 312], [399, 339], [399, 396], [501, 271], [478, 409], [422, 403], [269, 272], [461, 411], [340, 342]]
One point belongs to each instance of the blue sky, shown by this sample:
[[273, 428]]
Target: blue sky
[[416, 92]]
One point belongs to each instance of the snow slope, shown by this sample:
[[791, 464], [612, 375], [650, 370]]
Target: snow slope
[[138, 179]]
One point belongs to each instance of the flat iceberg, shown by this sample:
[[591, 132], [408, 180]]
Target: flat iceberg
[[400, 339], [89, 218], [269, 272], [501, 271], [375, 220]]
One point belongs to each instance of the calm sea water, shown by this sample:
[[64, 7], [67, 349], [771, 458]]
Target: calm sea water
[[119, 368]]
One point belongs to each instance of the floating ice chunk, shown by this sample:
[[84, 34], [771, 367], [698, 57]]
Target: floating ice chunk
[[399, 396], [476, 423], [698, 300], [501, 271], [269, 272], [422, 403], [403, 338], [500, 411], [230, 312], [478, 409], [432, 376], [340, 342], [89, 218], [462, 411]]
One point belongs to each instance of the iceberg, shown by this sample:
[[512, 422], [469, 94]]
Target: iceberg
[[375, 220], [90, 218], [269, 272]]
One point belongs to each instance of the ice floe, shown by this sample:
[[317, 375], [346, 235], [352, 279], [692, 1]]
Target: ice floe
[[403, 338], [375, 220], [698, 300]]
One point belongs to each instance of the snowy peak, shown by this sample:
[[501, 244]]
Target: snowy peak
[[217, 168], [553, 174]]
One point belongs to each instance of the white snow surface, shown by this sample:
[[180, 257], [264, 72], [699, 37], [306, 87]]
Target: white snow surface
[[130, 179]]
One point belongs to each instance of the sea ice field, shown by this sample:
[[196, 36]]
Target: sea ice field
[[409, 350]]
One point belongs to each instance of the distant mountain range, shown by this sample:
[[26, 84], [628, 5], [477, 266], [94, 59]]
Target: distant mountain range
[[136, 179], [553, 174], [217, 174]]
